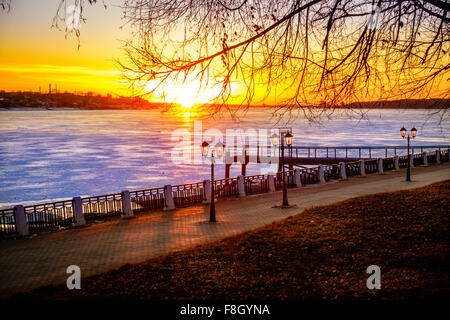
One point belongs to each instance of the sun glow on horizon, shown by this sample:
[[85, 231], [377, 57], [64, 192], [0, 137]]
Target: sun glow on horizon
[[187, 93]]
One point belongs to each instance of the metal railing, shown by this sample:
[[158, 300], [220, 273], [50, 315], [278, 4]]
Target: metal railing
[[331, 172], [102, 206], [371, 165], [147, 199], [309, 175], [352, 169], [185, 195], [7, 222], [358, 152], [417, 159], [256, 184], [403, 161], [432, 157], [47, 215], [389, 163], [290, 179], [226, 188]]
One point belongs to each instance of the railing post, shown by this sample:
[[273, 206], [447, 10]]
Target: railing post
[[168, 196], [397, 163], [207, 191], [77, 207], [438, 156], [411, 160], [241, 186], [362, 168], [321, 174], [271, 179], [380, 165], [425, 158], [21, 222], [298, 178], [342, 170], [126, 204]]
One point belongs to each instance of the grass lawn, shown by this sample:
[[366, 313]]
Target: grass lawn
[[320, 253]]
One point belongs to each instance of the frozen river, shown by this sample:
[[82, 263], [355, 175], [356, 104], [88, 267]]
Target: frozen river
[[54, 154]]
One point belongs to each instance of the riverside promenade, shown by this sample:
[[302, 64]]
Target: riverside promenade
[[35, 260]]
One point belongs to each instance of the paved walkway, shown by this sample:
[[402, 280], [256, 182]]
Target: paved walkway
[[33, 261]]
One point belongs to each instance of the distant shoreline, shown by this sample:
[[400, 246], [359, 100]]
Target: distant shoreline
[[92, 101], [251, 107]]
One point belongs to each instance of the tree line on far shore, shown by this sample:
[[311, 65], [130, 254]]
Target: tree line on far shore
[[92, 101]]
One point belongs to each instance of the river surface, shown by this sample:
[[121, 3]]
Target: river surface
[[57, 154]]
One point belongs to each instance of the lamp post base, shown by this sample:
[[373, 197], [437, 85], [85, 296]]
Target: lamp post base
[[210, 214], [408, 175], [285, 206], [207, 222]]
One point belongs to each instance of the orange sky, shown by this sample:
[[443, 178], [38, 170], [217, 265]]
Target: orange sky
[[32, 54]]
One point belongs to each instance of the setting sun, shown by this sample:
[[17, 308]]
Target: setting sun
[[186, 95]]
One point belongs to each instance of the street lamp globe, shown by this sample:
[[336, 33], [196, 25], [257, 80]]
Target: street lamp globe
[[205, 148], [220, 149], [288, 138], [275, 139], [403, 132], [413, 132]]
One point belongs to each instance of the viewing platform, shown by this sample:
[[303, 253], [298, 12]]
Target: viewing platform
[[298, 156]]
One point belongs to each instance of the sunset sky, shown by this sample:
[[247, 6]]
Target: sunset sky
[[32, 54]]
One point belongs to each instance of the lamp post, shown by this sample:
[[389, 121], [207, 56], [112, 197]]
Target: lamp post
[[403, 132], [288, 139], [217, 151]]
